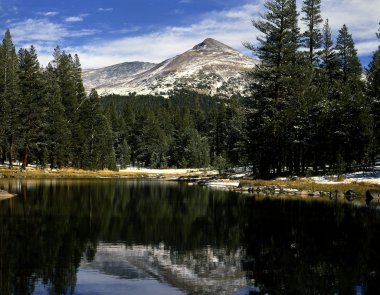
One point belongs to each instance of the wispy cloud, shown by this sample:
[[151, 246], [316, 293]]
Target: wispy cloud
[[105, 9], [230, 26], [73, 19], [37, 30], [49, 13], [178, 11], [361, 17], [44, 34]]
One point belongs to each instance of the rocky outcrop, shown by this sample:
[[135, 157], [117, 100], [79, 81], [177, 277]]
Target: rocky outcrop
[[5, 195], [372, 195], [278, 190]]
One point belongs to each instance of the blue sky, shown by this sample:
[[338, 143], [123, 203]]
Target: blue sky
[[108, 32]]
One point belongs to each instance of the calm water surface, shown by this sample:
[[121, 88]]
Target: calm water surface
[[89, 237]]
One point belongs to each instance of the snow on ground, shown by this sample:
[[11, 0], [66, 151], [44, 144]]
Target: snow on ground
[[168, 171], [372, 177], [223, 184]]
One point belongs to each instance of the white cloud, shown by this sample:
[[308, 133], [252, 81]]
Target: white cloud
[[360, 16], [230, 26], [105, 9], [73, 19], [43, 30], [44, 34], [49, 13], [37, 30]]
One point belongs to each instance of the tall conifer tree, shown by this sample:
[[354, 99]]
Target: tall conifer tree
[[68, 72], [352, 119], [98, 151], [9, 97], [57, 132], [312, 37], [373, 91], [32, 108], [273, 83], [347, 54]]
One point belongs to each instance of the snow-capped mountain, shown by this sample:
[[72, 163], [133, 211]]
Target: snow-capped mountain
[[210, 67], [107, 76]]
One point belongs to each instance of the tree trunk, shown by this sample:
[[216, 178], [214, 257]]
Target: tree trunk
[[3, 154], [10, 152], [25, 157]]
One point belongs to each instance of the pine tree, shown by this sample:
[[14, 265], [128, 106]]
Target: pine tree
[[152, 141], [312, 37], [373, 91], [9, 97], [329, 62], [274, 84], [57, 131], [125, 155], [347, 55], [352, 120], [196, 151], [118, 133], [277, 48], [31, 107], [68, 72], [97, 146]]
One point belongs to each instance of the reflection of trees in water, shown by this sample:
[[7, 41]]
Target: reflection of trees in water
[[50, 224], [291, 247], [313, 248]]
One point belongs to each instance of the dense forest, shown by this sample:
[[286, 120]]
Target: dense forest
[[312, 108]]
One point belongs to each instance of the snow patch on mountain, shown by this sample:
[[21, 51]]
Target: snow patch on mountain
[[210, 67]]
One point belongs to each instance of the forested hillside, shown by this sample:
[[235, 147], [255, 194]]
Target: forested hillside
[[312, 109]]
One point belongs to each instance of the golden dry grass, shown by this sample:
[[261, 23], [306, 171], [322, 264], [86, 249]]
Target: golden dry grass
[[301, 183], [65, 172], [79, 173], [306, 184]]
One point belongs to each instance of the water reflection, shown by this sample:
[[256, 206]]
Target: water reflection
[[66, 236], [203, 271]]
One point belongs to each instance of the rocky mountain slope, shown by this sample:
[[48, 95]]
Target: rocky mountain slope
[[107, 76], [211, 67]]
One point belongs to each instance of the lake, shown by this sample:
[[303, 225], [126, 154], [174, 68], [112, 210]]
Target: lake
[[114, 236]]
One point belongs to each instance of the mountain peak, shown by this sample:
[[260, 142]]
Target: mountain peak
[[210, 44], [210, 67]]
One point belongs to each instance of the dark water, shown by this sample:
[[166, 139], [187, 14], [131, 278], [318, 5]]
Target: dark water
[[126, 237]]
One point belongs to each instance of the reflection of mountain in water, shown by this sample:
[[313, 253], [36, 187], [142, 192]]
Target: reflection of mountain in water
[[206, 271]]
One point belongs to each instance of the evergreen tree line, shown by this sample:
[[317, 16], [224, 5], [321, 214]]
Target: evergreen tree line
[[187, 130], [311, 107], [46, 116]]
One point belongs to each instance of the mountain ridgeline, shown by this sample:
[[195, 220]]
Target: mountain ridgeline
[[296, 111], [210, 67]]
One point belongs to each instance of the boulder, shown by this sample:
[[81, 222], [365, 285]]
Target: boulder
[[350, 195], [306, 193], [372, 194], [5, 195]]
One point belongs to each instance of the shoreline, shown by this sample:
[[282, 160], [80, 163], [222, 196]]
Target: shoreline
[[32, 172], [349, 189]]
